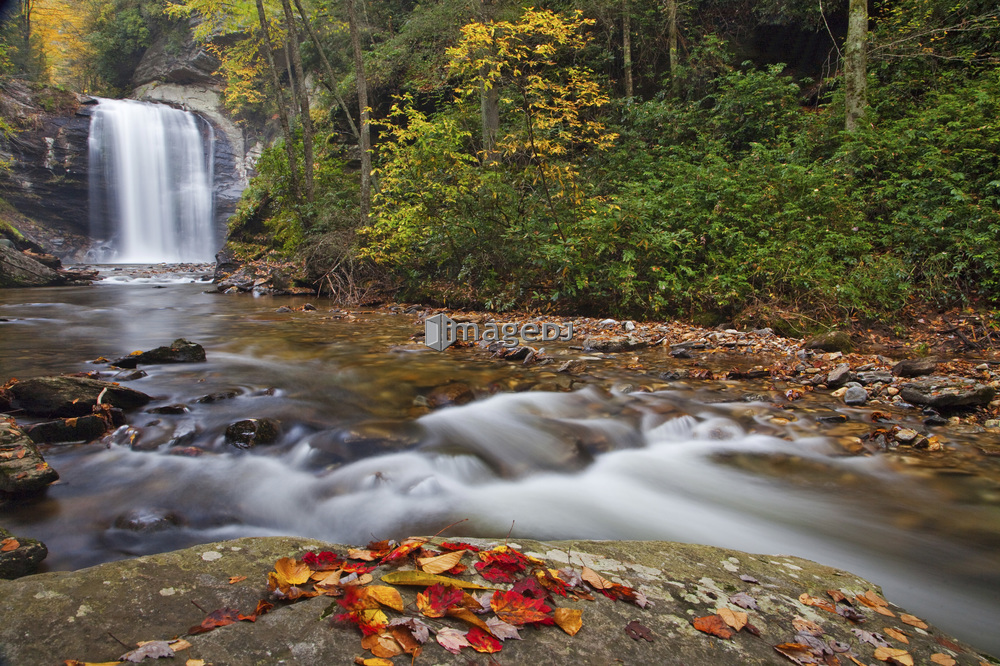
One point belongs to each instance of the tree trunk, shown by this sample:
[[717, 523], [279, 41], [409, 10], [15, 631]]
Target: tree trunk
[[303, 98], [675, 81], [489, 97], [286, 128], [366, 139], [627, 45], [329, 70], [855, 66]]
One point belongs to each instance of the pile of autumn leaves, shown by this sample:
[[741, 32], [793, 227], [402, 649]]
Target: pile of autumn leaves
[[488, 616]]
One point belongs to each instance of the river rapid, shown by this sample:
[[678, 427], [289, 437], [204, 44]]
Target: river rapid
[[361, 457]]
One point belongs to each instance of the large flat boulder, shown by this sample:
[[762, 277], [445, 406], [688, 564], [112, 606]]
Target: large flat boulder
[[69, 396], [19, 270], [53, 617], [22, 469], [947, 393]]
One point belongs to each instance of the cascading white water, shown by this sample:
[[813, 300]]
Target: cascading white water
[[151, 178]]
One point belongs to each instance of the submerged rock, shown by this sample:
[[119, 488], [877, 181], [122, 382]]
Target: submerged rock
[[22, 469], [453, 393], [150, 598], [19, 556], [179, 351], [69, 396], [147, 520], [615, 344], [248, 433]]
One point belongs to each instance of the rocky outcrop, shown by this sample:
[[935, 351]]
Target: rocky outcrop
[[175, 57], [150, 598], [179, 351], [19, 270], [23, 471], [72, 396], [47, 179]]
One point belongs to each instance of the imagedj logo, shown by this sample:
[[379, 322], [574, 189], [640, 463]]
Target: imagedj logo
[[441, 331]]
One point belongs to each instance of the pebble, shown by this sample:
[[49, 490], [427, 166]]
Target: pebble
[[855, 395], [892, 390], [983, 367]]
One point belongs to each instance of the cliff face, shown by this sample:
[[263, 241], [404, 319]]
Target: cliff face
[[47, 178]]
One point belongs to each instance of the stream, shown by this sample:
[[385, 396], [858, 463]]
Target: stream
[[360, 456]]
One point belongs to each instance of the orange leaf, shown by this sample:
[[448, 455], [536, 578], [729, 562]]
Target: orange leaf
[[837, 595], [236, 579], [291, 572], [569, 620], [595, 579], [735, 619], [797, 652], [377, 661], [480, 641], [887, 653], [808, 626], [913, 621], [897, 634], [943, 659], [713, 624], [518, 609], [871, 599], [9, 544], [466, 615], [385, 595], [437, 599], [382, 644], [441, 563], [822, 604]]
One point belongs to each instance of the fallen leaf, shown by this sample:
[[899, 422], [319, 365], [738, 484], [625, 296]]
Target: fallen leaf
[[801, 624], [291, 572], [417, 627], [912, 621], [195, 662], [458, 545], [406, 640], [437, 599], [713, 624], [502, 630], [21, 453], [735, 619], [871, 599], [870, 637], [377, 661], [822, 604], [9, 544], [236, 579], [364, 554], [744, 600], [480, 641], [382, 644], [518, 609], [943, 659], [427, 579], [385, 595], [897, 634], [635, 630], [179, 644], [441, 563], [405, 548], [569, 620], [150, 650], [887, 653], [837, 595], [948, 644], [452, 640], [466, 615], [219, 618], [797, 652], [595, 580]]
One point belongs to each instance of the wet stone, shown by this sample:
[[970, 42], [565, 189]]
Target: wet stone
[[248, 433], [944, 393], [77, 429], [147, 520], [454, 393], [168, 409], [22, 469], [179, 351], [24, 559], [574, 366], [72, 396], [874, 377], [217, 396], [855, 395], [915, 367]]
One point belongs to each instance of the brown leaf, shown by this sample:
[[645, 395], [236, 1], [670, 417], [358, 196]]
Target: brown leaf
[[441, 563], [569, 620], [943, 659], [948, 644], [871, 599], [807, 626], [635, 630], [897, 634], [382, 644], [735, 619], [797, 652], [9, 544], [837, 595], [714, 625], [595, 580], [887, 653], [912, 621], [822, 604], [405, 638], [21, 453]]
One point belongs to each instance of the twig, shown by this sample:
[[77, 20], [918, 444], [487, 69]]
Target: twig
[[125, 645], [198, 607]]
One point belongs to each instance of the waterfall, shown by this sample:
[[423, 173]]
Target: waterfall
[[151, 173]]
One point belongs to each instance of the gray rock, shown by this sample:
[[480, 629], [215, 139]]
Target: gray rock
[[179, 351], [614, 344], [915, 367], [23, 471], [855, 396], [573, 366], [79, 429], [149, 598], [831, 342], [147, 520], [839, 376], [248, 433], [19, 270], [874, 377], [176, 60], [71, 396], [945, 393], [20, 561]]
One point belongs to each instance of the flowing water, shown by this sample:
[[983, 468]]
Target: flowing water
[[361, 457], [151, 172]]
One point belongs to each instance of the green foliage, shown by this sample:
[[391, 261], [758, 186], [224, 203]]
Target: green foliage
[[119, 33]]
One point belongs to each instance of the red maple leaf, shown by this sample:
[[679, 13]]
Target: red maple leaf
[[357, 567], [322, 561], [517, 609], [550, 582], [458, 545], [437, 599], [482, 641], [531, 588]]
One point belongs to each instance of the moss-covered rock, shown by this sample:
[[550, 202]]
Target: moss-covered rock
[[21, 560], [22, 469], [57, 616]]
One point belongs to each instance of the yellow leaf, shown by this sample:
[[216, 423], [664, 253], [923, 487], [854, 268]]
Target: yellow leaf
[[569, 620], [897, 634], [427, 579], [441, 563], [179, 644], [887, 653], [943, 659], [735, 619], [377, 661], [385, 595], [913, 621], [466, 615], [291, 571], [195, 662]]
